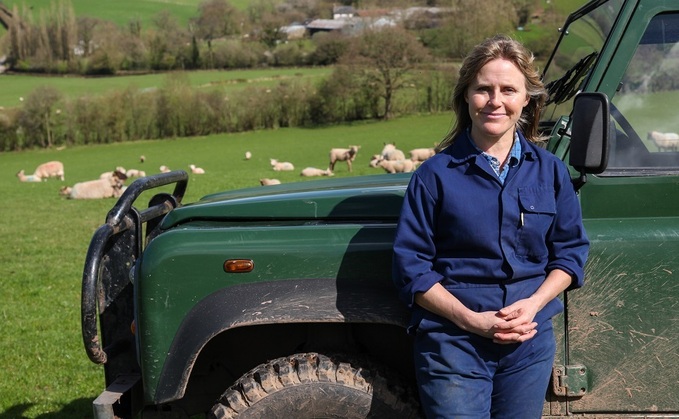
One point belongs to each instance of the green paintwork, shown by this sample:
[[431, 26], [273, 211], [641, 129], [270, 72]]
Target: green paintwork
[[623, 325], [357, 198], [295, 238]]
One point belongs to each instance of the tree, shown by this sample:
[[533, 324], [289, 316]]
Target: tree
[[37, 118], [468, 26], [216, 19], [384, 57]]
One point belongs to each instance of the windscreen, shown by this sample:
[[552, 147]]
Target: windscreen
[[578, 48]]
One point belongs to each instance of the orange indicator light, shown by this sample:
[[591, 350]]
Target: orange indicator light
[[239, 265]]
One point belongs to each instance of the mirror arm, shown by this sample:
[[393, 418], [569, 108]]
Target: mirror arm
[[580, 181]]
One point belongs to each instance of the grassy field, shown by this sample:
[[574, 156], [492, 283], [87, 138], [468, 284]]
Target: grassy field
[[45, 372], [17, 86], [122, 12]]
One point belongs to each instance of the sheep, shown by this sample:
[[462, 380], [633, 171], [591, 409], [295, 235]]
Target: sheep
[[65, 191], [107, 175], [343, 154], [281, 166], [248, 155], [421, 154], [164, 169], [267, 182], [196, 170], [27, 178], [375, 160], [142, 158], [135, 173], [48, 170], [665, 141], [111, 187], [390, 152], [312, 171], [397, 166]]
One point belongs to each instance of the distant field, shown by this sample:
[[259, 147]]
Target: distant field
[[17, 86], [45, 371], [122, 12]]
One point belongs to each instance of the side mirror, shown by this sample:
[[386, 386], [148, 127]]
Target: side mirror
[[590, 134]]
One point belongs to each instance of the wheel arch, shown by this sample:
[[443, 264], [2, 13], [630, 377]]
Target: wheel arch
[[254, 310]]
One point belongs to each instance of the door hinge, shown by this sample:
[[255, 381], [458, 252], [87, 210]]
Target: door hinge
[[570, 380]]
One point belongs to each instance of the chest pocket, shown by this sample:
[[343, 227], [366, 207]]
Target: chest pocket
[[538, 207]]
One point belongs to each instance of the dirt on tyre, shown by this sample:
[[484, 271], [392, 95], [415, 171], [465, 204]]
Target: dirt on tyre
[[312, 385]]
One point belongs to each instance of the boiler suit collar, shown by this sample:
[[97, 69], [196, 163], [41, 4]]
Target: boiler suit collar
[[463, 151]]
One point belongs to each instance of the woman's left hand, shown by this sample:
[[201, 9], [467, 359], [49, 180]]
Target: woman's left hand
[[516, 323]]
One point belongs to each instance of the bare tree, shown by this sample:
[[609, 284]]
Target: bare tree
[[217, 18], [467, 26], [384, 57]]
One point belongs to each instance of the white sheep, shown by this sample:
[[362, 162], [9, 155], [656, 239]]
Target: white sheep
[[267, 182], [164, 169], [142, 158], [135, 173], [312, 171], [390, 152], [397, 166], [375, 160], [421, 154], [343, 154], [111, 187], [248, 155], [48, 170], [107, 175], [27, 178], [196, 170], [665, 141], [281, 166]]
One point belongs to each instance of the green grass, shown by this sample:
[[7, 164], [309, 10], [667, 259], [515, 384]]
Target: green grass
[[16, 86], [121, 12], [45, 372]]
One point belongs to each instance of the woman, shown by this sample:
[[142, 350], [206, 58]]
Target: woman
[[490, 234]]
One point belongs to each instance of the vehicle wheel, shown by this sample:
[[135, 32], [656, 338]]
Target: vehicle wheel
[[312, 385]]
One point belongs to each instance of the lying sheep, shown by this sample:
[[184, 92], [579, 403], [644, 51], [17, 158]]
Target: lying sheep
[[390, 152], [421, 154], [46, 171], [196, 170], [248, 155], [343, 154], [665, 141], [281, 166], [312, 171], [50, 169], [164, 169], [111, 187], [397, 166], [107, 175], [267, 182], [375, 160], [135, 173], [27, 178]]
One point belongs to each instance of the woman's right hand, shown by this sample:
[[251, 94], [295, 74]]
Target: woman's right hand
[[485, 324]]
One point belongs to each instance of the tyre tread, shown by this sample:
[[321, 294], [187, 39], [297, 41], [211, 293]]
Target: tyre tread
[[307, 368]]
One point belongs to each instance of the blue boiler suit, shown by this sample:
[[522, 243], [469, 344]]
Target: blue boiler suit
[[490, 244]]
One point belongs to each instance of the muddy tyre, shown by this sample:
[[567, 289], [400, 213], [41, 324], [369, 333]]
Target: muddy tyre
[[312, 385]]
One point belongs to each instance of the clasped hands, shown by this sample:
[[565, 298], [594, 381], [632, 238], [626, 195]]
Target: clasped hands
[[511, 324]]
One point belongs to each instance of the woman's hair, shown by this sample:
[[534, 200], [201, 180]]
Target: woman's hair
[[498, 47]]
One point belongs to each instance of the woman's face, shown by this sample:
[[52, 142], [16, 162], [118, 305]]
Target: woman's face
[[496, 98]]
